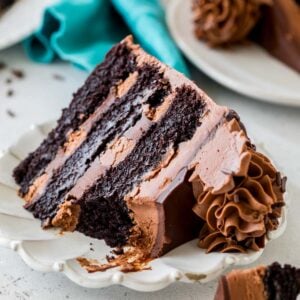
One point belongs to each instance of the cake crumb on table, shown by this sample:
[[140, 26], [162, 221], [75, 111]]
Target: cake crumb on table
[[2, 65], [18, 73], [10, 113], [58, 77], [10, 93]]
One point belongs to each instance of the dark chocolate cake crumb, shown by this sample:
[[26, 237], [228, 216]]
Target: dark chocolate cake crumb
[[10, 113], [58, 77], [2, 65], [18, 73], [118, 251], [8, 81], [10, 93], [282, 282], [109, 258]]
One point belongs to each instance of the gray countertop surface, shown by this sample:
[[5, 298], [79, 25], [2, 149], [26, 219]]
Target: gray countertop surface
[[40, 96]]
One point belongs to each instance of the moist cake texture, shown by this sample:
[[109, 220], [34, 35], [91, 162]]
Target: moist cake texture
[[142, 157], [260, 283]]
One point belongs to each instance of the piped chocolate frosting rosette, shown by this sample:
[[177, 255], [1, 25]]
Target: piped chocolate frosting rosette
[[221, 22], [247, 204]]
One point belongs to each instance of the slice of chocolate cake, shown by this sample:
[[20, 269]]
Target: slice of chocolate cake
[[142, 157], [274, 282]]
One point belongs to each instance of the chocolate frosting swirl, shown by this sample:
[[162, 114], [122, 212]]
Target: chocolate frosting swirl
[[239, 218], [222, 22]]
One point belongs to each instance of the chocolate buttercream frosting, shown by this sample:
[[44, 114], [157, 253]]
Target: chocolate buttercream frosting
[[260, 283], [273, 24], [242, 284], [222, 22], [238, 215]]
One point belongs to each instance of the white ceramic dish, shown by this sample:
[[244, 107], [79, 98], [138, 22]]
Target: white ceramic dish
[[49, 251], [20, 20], [247, 69]]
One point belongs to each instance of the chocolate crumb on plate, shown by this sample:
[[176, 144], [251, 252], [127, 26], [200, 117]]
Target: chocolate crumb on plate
[[10, 113], [2, 65], [58, 77], [18, 73], [118, 251], [10, 93]]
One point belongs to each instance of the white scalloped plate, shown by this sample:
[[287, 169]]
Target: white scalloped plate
[[49, 251], [20, 20], [247, 69]]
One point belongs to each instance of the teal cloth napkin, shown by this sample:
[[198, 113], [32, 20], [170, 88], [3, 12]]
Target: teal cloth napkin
[[82, 31]]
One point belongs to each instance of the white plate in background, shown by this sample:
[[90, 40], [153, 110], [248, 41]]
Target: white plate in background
[[247, 69], [20, 20], [48, 251]]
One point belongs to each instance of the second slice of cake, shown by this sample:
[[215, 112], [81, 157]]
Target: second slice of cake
[[142, 157]]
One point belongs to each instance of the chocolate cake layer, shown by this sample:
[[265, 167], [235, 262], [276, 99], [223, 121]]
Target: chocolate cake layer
[[119, 63], [151, 163], [125, 112], [177, 126]]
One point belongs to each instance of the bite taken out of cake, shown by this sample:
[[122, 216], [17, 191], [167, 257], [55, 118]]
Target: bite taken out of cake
[[273, 282], [144, 158]]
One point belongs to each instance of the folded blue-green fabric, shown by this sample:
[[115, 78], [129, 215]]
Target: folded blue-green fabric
[[82, 31]]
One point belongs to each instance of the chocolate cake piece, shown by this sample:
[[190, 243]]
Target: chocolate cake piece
[[139, 153], [273, 24], [260, 283]]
